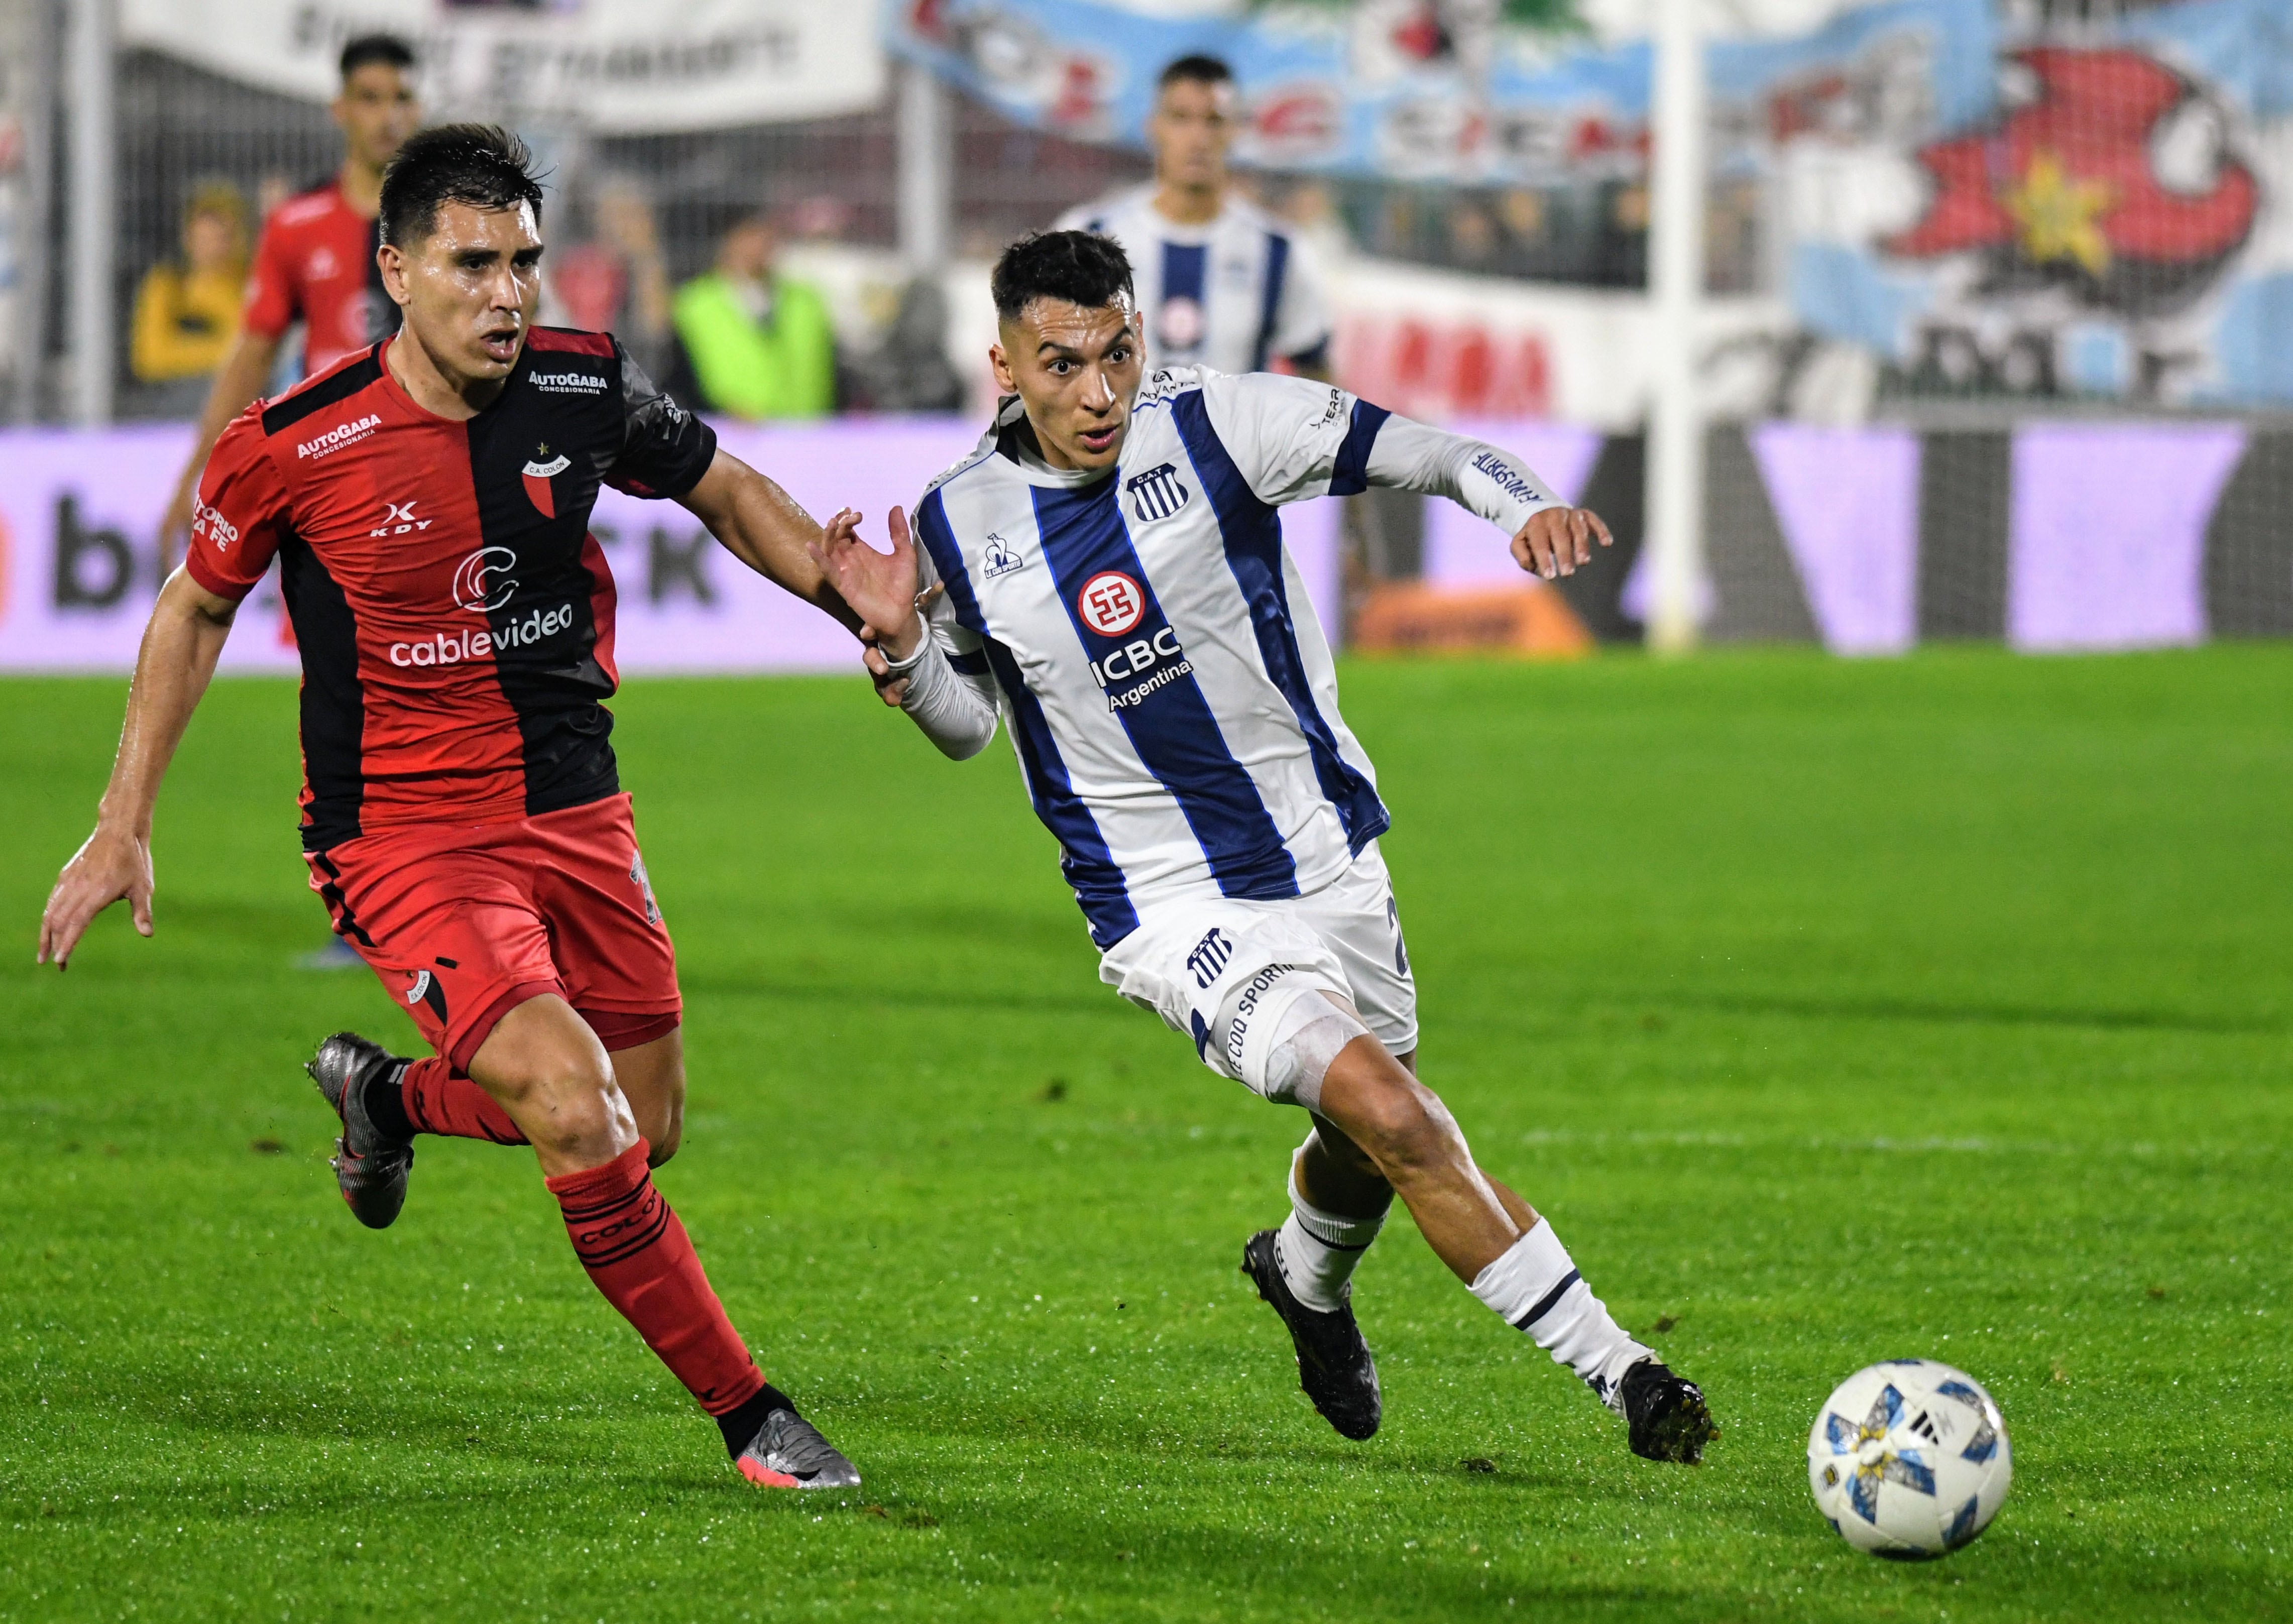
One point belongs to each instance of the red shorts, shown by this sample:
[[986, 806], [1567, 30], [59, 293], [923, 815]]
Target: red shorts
[[464, 922]]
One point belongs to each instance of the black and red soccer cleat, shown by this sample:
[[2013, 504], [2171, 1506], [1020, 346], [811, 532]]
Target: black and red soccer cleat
[[1666, 1412], [788, 1452], [1334, 1366], [370, 1165]]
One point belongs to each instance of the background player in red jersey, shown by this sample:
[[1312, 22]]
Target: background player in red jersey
[[315, 263], [428, 502]]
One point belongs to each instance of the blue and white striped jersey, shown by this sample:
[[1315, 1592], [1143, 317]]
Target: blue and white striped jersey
[[1162, 676], [1233, 294]]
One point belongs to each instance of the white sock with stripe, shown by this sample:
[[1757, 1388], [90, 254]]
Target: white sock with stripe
[[1535, 1287], [1318, 1251]]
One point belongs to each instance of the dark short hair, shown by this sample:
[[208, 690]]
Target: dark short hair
[[480, 164], [1195, 69], [369, 49], [1080, 267]]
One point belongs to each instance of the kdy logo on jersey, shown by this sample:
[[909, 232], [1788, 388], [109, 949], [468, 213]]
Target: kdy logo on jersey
[[1156, 494], [537, 475], [1111, 603], [1001, 557], [397, 519]]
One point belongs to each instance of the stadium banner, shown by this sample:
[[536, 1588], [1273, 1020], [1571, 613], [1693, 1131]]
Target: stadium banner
[[79, 563], [1388, 87], [616, 66], [2120, 227]]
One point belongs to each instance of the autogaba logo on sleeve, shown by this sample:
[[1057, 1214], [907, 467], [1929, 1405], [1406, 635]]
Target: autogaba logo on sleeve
[[539, 474]]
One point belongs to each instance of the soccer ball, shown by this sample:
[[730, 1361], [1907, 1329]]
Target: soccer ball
[[1908, 1459]]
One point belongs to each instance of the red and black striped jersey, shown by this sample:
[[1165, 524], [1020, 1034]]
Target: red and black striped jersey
[[315, 263], [454, 615]]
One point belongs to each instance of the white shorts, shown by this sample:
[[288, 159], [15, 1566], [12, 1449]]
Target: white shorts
[[1188, 957]]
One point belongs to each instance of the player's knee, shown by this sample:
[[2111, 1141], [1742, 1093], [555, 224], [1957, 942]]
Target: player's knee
[[1402, 1126], [566, 1100]]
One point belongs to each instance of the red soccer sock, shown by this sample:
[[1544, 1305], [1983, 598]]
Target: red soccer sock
[[637, 1253], [439, 1100]]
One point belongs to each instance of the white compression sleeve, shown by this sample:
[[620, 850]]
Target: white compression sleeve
[[1477, 476], [948, 706]]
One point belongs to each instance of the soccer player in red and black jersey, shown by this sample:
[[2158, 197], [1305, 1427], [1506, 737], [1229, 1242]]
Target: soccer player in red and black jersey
[[315, 261], [427, 500]]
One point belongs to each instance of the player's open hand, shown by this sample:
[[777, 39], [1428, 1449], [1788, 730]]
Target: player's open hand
[[879, 587], [110, 866], [1557, 541]]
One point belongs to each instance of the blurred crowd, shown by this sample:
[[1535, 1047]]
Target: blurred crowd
[[776, 307]]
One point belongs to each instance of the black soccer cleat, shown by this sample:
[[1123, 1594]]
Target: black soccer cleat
[[1334, 1366], [370, 1166], [1668, 1416], [788, 1452]]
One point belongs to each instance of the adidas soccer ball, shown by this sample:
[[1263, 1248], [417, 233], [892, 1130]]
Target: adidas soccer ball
[[1908, 1459]]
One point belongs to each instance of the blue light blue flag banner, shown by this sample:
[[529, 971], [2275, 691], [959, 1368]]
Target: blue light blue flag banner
[[1413, 89], [2116, 228]]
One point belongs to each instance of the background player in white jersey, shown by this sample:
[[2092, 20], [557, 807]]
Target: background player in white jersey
[[1106, 570], [1220, 283]]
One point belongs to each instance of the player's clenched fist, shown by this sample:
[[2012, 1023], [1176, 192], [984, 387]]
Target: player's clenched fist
[[1558, 540], [110, 866]]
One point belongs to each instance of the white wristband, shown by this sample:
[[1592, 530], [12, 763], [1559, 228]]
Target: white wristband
[[901, 667]]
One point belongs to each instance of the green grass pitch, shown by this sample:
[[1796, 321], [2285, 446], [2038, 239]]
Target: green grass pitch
[[1833, 1011]]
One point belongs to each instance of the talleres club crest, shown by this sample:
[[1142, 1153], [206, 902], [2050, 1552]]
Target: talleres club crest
[[538, 473]]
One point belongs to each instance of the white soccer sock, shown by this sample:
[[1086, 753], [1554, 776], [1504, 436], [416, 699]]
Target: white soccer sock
[[1535, 1287], [1319, 1250]]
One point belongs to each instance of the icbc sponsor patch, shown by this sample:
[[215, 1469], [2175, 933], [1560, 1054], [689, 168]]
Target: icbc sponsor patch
[[1111, 603]]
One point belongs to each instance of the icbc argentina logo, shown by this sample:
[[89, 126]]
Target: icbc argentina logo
[[1111, 603], [537, 475]]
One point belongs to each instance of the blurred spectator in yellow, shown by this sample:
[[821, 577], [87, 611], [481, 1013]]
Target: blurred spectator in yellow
[[760, 345], [617, 281], [187, 308]]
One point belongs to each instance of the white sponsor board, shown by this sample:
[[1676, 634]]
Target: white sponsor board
[[1443, 346], [620, 67], [80, 513]]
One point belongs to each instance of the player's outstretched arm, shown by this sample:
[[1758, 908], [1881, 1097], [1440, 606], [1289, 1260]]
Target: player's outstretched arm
[[180, 646], [762, 525], [1549, 539]]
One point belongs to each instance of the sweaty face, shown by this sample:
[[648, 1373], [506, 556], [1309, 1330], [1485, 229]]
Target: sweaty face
[[377, 111], [469, 288], [1192, 128], [1076, 369]]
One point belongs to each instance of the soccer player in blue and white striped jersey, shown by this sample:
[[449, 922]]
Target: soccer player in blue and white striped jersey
[[1106, 574], [1220, 282]]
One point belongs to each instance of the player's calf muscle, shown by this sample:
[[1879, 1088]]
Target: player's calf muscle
[[652, 1080]]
